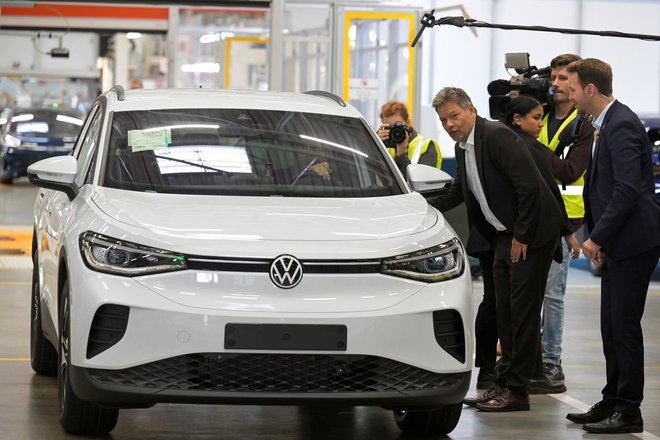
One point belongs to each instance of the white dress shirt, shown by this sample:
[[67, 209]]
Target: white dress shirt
[[474, 183], [598, 124]]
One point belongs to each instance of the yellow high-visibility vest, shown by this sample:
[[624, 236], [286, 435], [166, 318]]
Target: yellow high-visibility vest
[[572, 194], [417, 147]]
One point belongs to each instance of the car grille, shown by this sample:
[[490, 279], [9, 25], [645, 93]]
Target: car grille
[[229, 372], [263, 266]]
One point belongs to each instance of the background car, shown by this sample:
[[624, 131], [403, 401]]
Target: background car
[[31, 134], [215, 246], [652, 125]]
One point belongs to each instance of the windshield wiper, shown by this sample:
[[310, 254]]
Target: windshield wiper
[[187, 162]]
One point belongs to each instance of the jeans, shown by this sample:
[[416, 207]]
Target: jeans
[[552, 319]]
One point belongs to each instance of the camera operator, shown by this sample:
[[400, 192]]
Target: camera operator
[[408, 146], [569, 140]]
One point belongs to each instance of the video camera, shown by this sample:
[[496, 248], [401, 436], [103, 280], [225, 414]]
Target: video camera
[[397, 135], [529, 81]]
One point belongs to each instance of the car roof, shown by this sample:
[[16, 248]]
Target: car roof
[[151, 99]]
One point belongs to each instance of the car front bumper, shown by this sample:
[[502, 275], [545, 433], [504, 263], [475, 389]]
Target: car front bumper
[[407, 345], [249, 379]]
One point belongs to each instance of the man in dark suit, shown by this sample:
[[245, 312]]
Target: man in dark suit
[[513, 209], [623, 220]]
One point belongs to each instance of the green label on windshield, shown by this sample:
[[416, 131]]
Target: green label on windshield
[[150, 139]]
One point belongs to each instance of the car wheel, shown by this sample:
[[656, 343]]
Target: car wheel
[[43, 356], [440, 421], [77, 416], [594, 268]]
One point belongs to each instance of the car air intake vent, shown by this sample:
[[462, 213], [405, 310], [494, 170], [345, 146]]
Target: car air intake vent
[[449, 332], [108, 327], [262, 373]]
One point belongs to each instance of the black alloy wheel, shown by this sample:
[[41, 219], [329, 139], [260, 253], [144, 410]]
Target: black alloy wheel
[[77, 416], [440, 421], [43, 356]]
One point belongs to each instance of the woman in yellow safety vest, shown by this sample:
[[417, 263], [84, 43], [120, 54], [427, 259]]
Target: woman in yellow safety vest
[[413, 148]]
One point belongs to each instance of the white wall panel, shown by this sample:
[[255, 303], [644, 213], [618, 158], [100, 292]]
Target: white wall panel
[[459, 59], [27, 55], [635, 63], [542, 46]]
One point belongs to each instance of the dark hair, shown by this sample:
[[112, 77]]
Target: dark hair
[[593, 71], [520, 105], [563, 60]]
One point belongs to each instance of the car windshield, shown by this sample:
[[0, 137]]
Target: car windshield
[[53, 123], [246, 152]]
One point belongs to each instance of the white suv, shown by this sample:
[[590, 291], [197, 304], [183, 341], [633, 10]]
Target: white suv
[[209, 246]]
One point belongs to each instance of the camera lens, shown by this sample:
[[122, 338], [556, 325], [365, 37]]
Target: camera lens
[[397, 133]]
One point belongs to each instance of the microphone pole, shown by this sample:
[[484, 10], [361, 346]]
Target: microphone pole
[[429, 20]]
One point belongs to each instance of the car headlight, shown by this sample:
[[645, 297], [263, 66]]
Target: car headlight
[[120, 257], [438, 263]]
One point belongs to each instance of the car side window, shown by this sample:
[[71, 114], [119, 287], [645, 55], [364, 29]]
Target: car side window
[[85, 128], [87, 146]]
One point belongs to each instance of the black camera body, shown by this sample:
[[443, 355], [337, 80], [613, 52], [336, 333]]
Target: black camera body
[[529, 81], [397, 135]]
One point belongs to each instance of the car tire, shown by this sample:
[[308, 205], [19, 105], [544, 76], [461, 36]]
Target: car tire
[[76, 416], [7, 180], [440, 421], [43, 356]]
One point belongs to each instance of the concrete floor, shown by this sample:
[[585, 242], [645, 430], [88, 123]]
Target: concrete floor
[[28, 403]]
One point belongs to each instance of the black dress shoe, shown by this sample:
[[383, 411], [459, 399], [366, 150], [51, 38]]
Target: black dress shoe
[[596, 413], [617, 423], [505, 401], [485, 397], [544, 385]]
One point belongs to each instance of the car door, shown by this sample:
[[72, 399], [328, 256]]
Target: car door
[[56, 210]]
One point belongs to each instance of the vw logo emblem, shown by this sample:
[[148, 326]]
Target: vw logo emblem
[[286, 271]]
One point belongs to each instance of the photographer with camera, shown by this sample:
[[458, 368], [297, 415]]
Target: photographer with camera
[[402, 141], [569, 140]]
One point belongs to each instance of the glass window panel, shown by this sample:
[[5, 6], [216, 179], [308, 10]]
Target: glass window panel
[[307, 48], [201, 59]]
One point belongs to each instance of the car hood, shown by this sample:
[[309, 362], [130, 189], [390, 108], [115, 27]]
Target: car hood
[[192, 217]]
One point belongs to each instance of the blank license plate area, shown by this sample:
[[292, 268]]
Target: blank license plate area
[[285, 337]]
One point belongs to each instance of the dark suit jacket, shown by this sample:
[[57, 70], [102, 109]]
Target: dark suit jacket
[[512, 184], [621, 212], [542, 156]]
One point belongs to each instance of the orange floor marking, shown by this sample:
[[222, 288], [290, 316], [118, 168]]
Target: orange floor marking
[[16, 240]]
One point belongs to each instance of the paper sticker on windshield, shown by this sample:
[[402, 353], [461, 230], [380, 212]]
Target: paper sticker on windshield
[[145, 140]]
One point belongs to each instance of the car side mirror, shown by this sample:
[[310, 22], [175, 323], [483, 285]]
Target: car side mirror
[[56, 173], [424, 178]]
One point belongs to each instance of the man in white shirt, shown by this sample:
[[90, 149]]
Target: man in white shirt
[[511, 206]]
